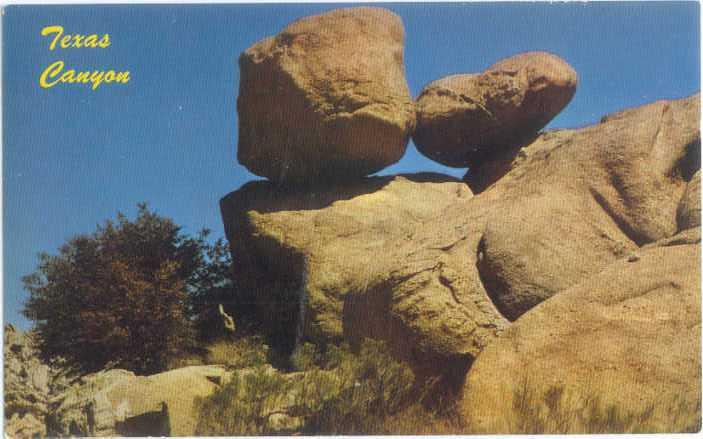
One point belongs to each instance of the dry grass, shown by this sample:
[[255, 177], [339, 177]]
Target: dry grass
[[556, 413], [339, 392], [237, 353]]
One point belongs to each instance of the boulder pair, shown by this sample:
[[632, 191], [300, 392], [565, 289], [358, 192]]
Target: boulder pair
[[327, 99]]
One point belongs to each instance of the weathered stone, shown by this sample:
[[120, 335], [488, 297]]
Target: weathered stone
[[464, 119], [326, 98], [29, 384], [336, 263], [577, 200], [436, 272], [25, 426], [618, 352], [118, 403], [688, 214]]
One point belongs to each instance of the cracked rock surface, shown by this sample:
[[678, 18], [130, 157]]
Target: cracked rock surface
[[30, 383]]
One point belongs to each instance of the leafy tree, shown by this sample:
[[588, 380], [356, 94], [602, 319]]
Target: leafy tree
[[123, 295]]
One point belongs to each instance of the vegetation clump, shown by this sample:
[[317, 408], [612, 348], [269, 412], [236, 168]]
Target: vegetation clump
[[554, 412], [338, 390], [134, 294]]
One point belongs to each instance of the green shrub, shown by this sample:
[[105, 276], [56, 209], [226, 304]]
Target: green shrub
[[371, 386], [128, 295], [336, 391], [238, 353], [238, 407]]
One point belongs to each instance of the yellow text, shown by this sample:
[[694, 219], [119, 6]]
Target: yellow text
[[77, 41], [55, 74]]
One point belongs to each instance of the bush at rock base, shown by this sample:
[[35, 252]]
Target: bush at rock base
[[239, 353], [336, 390]]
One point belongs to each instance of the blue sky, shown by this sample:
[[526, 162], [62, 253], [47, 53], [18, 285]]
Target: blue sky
[[73, 157]]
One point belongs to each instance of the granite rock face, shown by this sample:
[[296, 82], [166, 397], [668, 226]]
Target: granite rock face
[[352, 261], [574, 201], [440, 273], [326, 98], [623, 345], [688, 214]]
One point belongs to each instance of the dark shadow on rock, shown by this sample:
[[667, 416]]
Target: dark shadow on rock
[[267, 197], [691, 161], [369, 315], [495, 163], [146, 424]]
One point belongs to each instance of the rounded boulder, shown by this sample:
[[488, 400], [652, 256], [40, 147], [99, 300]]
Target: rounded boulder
[[326, 98], [466, 119]]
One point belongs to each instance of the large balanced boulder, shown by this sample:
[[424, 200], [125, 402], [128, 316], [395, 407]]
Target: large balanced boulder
[[326, 98], [619, 352], [438, 272], [462, 119]]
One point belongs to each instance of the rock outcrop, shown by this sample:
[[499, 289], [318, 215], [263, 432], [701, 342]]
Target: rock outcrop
[[29, 384], [618, 352], [463, 120], [340, 262], [576, 200], [436, 272], [117, 402], [326, 98]]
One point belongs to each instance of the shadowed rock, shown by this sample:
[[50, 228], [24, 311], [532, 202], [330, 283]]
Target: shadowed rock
[[688, 214]]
